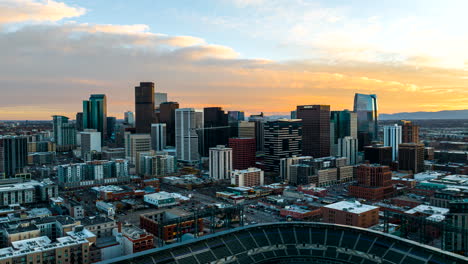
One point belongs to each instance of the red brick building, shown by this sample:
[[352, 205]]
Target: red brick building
[[374, 182], [243, 152], [352, 214]]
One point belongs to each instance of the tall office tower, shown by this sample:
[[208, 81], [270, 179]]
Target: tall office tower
[[90, 142], [315, 129], [454, 240], [167, 116], [411, 157], [159, 98], [286, 163], [374, 182], [410, 132], [348, 147], [365, 106], [220, 163], [95, 114], [129, 118], [144, 107], [64, 133], [342, 124], [283, 139], [259, 130], [111, 123], [294, 114], [392, 138], [243, 152], [249, 177], [246, 129], [134, 144], [158, 136], [79, 121], [236, 116], [216, 129], [13, 155], [378, 154], [187, 122]]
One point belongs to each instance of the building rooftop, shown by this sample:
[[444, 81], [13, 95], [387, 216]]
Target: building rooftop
[[353, 207], [95, 220], [429, 210]]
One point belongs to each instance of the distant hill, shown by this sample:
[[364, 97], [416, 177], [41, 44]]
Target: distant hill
[[447, 114]]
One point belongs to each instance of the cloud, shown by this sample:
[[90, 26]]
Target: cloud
[[13, 11]]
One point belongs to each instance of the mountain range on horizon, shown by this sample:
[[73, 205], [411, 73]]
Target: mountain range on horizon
[[445, 114]]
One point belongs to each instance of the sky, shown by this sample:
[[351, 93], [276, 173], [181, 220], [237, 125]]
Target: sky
[[251, 55]]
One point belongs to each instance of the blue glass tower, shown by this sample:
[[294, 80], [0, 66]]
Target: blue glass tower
[[365, 105]]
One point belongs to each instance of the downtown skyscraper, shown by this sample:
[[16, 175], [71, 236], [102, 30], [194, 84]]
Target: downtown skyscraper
[[216, 130], [365, 105], [342, 124], [167, 116], [315, 130], [144, 107], [188, 125], [95, 114]]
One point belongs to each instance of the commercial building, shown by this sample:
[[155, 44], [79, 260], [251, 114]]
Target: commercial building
[[246, 129], [101, 226], [79, 121], [136, 143], [286, 163], [366, 108], [348, 147], [374, 182], [283, 139], [411, 157], [41, 158], [378, 154], [342, 124], [249, 177], [13, 155], [188, 121], [129, 118], [90, 142], [259, 121], [392, 138], [235, 116], [134, 239], [315, 129], [409, 132], [220, 163], [95, 114], [144, 107], [160, 199], [64, 133], [351, 214], [167, 116], [159, 98], [243, 152], [216, 129], [158, 136]]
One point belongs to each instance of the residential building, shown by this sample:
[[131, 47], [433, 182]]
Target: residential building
[[101, 226], [156, 164], [13, 155], [134, 239], [315, 130], [95, 114], [249, 177], [64, 133], [285, 164], [220, 163], [457, 217]]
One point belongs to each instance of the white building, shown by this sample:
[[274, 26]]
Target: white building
[[90, 141], [220, 163], [159, 98], [129, 118], [106, 207], [348, 147], [249, 177], [161, 199], [286, 163], [135, 143], [158, 136], [188, 122], [392, 138]]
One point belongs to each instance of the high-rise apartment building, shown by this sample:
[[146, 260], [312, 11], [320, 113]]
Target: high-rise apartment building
[[410, 132], [129, 118], [136, 143], [249, 177], [342, 124], [243, 152], [158, 136], [220, 163], [286, 163], [216, 129], [348, 147], [159, 98], [90, 142], [13, 155], [95, 114], [283, 139], [64, 133], [378, 154], [411, 157], [167, 116], [259, 130], [144, 107], [315, 129], [156, 164], [365, 106], [392, 138], [187, 122]]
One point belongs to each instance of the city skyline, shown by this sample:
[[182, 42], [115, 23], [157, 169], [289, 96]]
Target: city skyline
[[255, 56]]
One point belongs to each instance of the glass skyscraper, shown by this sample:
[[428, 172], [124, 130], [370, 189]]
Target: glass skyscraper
[[365, 105], [95, 114]]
